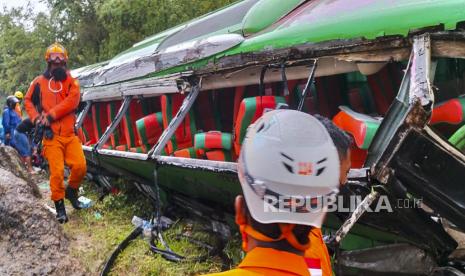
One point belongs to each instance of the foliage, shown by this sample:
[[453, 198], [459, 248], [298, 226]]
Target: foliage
[[92, 31]]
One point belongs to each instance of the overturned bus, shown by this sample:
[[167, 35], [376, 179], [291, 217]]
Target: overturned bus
[[173, 110]]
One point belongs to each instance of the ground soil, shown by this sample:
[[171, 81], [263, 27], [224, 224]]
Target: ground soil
[[31, 241]]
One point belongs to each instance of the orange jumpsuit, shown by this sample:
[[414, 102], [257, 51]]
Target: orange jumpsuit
[[268, 261], [59, 100], [317, 256]]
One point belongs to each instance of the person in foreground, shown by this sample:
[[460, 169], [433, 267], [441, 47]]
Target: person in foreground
[[288, 161], [317, 255], [51, 102]]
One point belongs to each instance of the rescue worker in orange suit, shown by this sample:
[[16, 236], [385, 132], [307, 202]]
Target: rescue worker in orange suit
[[287, 156], [317, 255], [51, 101], [19, 95]]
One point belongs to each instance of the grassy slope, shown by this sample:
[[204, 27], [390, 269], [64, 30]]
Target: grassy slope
[[93, 239]]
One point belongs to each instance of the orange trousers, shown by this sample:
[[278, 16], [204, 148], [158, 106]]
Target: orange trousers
[[58, 152]]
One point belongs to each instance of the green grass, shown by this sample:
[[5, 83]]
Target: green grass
[[93, 239]]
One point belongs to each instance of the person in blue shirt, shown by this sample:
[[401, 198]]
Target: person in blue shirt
[[10, 120]]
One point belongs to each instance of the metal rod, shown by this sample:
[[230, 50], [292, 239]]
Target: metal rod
[[261, 85], [176, 121], [82, 115], [358, 212], [114, 123], [307, 86], [284, 79]]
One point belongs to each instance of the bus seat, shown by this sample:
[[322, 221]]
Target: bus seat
[[183, 137], [149, 130], [133, 114], [362, 127], [88, 131], [384, 86], [117, 137], [451, 111], [99, 119], [206, 115], [249, 111], [359, 94], [219, 155], [219, 142], [187, 153]]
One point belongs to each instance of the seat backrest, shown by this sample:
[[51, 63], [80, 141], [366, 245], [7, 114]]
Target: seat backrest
[[362, 127], [149, 129], [359, 94], [184, 135], [99, 119], [451, 111], [88, 133], [205, 112], [249, 111], [117, 137], [384, 86], [213, 140], [329, 94], [133, 114]]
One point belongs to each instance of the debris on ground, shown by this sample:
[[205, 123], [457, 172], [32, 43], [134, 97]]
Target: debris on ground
[[31, 241]]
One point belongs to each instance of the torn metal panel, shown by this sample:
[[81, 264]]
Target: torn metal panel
[[82, 115], [420, 87], [190, 163], [113, 124], [123, 154], [172, 56], [395, 258], [429, 171], [144, 87], [176, 121]]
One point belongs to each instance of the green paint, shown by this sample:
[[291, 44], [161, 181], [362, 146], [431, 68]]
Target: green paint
[[265, 13], [250, 105], [458, 138], [199, 141], [226, 140], [371, 128], [140, 124]]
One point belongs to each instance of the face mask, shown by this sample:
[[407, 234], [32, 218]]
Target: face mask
[[59, 74]]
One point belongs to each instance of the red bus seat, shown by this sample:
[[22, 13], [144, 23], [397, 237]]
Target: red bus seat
[[215, 145], [451, 111], [149, 130], [362, 127], [184, 135], [249, 111]]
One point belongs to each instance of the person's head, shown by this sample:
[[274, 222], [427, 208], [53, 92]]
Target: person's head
[[342, 141], [56, 57], [287, 161], [11, 102], [19, 95]]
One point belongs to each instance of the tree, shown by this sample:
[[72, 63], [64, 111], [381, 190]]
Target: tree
[[91, 30]]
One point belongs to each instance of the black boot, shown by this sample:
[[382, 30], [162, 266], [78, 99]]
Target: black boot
[[72, 195], [61, 211]]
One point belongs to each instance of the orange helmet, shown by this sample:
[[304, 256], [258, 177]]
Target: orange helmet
[[55, 52]]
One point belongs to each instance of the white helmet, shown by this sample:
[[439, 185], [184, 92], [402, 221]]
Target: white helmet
[[287, 163]]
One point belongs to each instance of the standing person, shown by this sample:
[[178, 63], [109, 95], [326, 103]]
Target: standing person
[[51, 102], [19, 95], [22, 142], [10, 120], [286, 156], [318, 252]]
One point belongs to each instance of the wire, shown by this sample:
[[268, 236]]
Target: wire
[[134, 234]]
